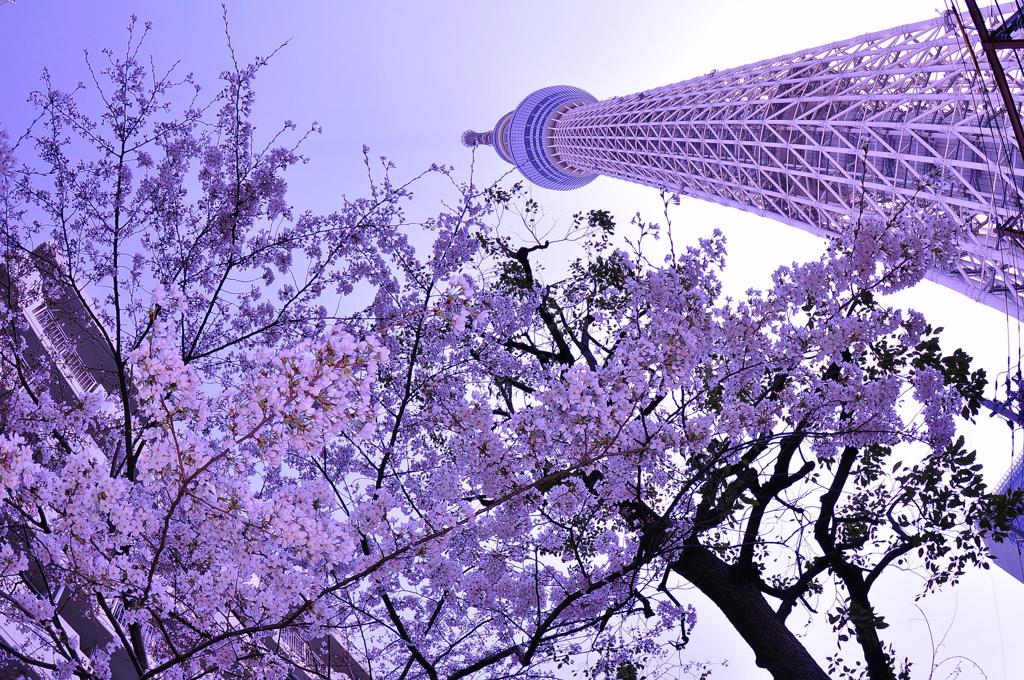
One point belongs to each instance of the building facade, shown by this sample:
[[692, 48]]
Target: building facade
[[906, 116], [60, 338], [56, 337], [1009, 554]]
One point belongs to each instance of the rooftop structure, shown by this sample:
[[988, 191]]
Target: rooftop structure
[[811, 139]]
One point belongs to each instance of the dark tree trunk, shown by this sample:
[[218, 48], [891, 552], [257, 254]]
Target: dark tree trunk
[[775, 647], [862, 615]]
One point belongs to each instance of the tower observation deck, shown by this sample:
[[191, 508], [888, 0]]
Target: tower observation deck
[[903, 116]]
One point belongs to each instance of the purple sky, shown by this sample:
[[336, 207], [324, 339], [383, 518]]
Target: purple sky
[[407, 78]]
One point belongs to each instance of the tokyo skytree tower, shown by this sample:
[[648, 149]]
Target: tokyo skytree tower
[[907, 117]]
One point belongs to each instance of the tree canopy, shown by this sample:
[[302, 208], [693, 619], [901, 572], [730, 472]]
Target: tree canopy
[[478, 471]]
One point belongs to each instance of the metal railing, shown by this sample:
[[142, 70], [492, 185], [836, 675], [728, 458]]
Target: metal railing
[[300, 653], [62, 348]]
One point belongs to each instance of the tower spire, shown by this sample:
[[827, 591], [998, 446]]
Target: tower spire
[[522, 137], [471, 138], [880, 121]]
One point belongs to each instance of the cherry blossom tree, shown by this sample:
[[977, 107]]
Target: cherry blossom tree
[[778, 486], [478, 472]]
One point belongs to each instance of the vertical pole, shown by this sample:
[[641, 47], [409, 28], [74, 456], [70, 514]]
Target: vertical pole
[[998, 74]]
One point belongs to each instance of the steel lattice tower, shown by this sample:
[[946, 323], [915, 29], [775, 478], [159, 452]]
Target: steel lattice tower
[[902, 116]]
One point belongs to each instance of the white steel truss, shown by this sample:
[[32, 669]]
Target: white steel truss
[[903, 116]]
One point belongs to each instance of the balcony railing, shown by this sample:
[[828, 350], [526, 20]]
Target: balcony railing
[[300, 653], [51, 332]]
